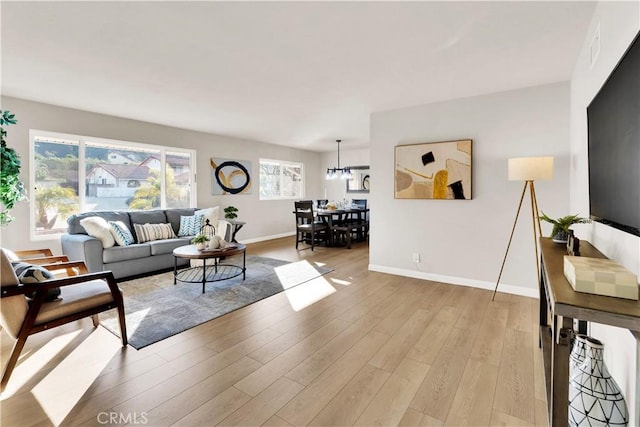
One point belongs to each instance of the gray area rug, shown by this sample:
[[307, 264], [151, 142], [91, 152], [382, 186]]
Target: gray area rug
[[155, 309]]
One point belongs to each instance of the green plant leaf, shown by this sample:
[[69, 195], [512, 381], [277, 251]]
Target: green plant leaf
[[563, 223]]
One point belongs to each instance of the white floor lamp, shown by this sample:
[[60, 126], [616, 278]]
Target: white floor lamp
[[528, 169]]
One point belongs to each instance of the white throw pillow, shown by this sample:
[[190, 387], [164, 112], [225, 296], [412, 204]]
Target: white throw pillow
[[210, 214], [99, 228]]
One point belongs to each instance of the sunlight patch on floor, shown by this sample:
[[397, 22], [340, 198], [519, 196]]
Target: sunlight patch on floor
[[340, 281], [307, 293], [32, 363], [134, 320], [65, 385]]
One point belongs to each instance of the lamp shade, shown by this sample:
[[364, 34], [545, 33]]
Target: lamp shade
[[530, 168]]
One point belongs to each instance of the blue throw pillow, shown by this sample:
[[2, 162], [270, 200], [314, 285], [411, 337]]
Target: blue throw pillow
[[121, 234], [190, 225], [29, 273]]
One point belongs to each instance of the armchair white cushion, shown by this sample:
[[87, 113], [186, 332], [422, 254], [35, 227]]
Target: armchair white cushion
[[12, 309]]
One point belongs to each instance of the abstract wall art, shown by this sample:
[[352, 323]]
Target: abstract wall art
[[230, 176], [436, 170]]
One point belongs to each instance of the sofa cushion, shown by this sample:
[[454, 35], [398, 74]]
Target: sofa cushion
[[173, 216], [99, 228], [150, 232], [211, 214], [148, 217], [126, 253], [190, 225], [160, 247], [121, 233], [74, 226]]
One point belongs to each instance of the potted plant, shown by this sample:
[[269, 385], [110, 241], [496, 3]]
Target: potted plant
[[200, 240], [11, 188], [560, 232], [230, 212]]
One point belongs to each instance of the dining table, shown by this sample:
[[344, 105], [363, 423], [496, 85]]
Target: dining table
[[337, 217]]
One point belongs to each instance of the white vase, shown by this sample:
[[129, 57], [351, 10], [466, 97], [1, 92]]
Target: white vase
[[578, 352], [200, 246], [594, 397]]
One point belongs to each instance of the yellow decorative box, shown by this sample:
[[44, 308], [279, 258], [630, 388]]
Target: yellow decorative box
[[600, 276]]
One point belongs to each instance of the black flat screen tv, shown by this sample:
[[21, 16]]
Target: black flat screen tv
[[614, 146]]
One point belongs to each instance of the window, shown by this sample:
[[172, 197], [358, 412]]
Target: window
[[72, 174], [281, 180]]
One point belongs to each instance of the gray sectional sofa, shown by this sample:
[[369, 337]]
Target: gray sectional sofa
[[132, 260]]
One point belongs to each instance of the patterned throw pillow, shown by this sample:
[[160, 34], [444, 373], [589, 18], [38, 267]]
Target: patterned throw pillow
[[190, 225], [121, 233], [29, 273], [149, 232]]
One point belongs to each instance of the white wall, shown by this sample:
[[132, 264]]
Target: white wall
[[619, 23], [264, 218], [463, 241], [336, 188]]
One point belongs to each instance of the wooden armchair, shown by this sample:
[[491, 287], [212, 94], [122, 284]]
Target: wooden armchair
[[43, 257], [83, 294]]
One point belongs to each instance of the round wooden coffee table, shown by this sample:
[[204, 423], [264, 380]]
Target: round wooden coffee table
[[209, 273]]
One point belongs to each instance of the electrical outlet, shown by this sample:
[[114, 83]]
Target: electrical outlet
[[416, 257]]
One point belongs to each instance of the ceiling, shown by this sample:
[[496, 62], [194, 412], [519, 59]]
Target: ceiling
[[300, 74]]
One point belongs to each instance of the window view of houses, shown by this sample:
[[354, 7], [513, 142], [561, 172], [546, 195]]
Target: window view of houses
[[116, 178], [280, 179]]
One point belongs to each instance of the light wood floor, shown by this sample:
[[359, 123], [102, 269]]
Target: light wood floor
[[363, 348]]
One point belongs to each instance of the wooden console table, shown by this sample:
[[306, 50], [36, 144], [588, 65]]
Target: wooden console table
[[559, 306]]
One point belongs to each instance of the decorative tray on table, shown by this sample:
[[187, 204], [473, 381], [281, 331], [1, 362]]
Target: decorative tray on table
[[228, 247]]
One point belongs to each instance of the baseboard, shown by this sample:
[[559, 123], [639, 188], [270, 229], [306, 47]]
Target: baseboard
[[263, 238], [510, 289]]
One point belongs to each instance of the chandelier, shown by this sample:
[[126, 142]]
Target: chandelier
[[333, 173]]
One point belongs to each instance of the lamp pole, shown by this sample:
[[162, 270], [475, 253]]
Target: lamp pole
[[527, 169]]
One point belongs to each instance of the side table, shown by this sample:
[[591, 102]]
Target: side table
[[237, 225]]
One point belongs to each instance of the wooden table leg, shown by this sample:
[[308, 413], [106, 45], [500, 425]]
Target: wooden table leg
[[560, 349], [236, 228]]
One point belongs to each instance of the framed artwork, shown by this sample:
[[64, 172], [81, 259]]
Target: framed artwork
[[436, 170], [230, 176]]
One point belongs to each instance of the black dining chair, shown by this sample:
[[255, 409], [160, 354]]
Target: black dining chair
[[307, 228], [361, 219]]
